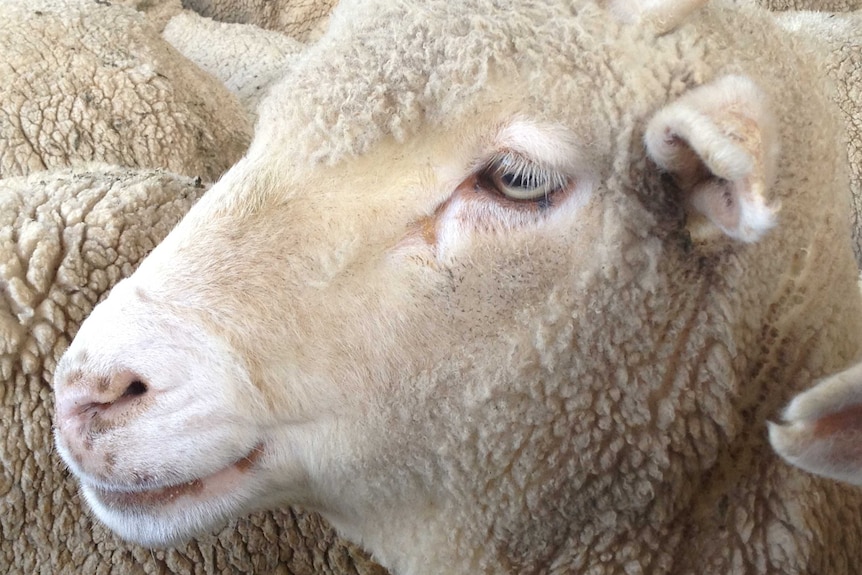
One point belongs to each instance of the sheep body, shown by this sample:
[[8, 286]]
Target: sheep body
[[87, 81]]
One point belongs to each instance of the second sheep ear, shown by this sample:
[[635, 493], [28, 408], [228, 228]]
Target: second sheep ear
[[719, 143], [822, 428]]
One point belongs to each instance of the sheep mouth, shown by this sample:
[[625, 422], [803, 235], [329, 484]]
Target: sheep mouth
[[206, 487]]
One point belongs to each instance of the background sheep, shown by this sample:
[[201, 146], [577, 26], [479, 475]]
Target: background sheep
[[85, 80], [577, 383]]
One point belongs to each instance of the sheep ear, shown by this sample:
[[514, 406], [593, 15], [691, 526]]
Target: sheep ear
[[662, 15], [822, 428], [719, 143]]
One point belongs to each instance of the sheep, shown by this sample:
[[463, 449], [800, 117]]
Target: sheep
[[177, 560], [491, 300], [303, 20], [90, 81], [67, 236]]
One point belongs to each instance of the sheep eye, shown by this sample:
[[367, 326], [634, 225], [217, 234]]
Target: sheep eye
[[519, 179]]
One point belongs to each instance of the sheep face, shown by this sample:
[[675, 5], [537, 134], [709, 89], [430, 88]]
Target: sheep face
[[459, 316]]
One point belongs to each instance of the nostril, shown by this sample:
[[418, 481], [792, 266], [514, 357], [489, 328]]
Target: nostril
[[86, 396], [135, 389]]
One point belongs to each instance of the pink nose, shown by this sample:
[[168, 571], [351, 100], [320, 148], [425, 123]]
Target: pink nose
[[89, 406]]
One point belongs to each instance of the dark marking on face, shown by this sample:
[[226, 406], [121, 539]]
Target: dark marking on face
[[75, 378], [110, 462], [99, 424], [103, 385]]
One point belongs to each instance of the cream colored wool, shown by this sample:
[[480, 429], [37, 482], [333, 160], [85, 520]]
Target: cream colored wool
[[303, 20], [65, 238], [247, 59], [463, 385], [89, 81]]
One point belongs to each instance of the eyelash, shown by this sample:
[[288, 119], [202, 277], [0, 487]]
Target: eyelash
[[520, 180]]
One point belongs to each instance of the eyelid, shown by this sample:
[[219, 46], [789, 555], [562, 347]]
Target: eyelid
[[551, 146], [518, 164]]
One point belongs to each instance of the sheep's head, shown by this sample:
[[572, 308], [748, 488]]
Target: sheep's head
[[468, 266]]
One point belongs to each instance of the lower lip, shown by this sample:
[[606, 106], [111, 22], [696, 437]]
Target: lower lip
[[210, 485], [150, 497]]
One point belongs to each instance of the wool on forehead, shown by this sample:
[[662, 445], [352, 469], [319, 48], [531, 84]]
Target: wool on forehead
[[386, 68]]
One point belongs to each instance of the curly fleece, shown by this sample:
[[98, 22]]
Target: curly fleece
[[89, 81]]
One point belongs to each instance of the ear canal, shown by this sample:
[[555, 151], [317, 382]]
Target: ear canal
[[662, 15], [719, 143], [822, 428]]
